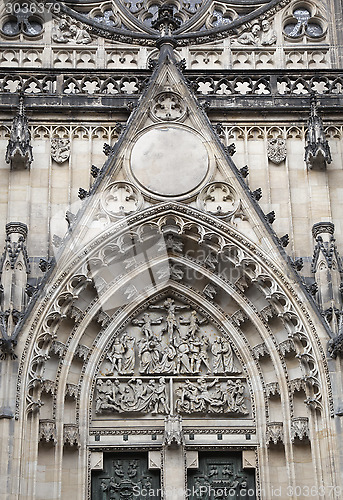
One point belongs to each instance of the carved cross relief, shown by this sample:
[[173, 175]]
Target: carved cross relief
[[171, 360]]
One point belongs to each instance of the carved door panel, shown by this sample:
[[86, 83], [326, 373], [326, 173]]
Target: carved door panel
[[125, 477], [220, 476]]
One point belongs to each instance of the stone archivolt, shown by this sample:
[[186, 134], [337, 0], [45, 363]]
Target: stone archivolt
[[167, 324]]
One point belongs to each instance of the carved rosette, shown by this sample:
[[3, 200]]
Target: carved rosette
[[120, 199], [276, 150], [47, 431], [168, 106], [275, 432], [60, 149], [300, 428], [220, 199]]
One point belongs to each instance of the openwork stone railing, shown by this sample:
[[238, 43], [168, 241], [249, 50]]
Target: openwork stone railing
[[266, 83]]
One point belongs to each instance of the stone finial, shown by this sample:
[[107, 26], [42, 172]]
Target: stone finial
[[19, 149], [317, 150], [166, 22]]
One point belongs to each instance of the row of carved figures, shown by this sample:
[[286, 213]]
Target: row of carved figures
[[187, 353], [151, 396], [190, 355]]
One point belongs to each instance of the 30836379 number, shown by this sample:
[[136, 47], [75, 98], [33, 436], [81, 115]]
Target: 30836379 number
[[32, 7]]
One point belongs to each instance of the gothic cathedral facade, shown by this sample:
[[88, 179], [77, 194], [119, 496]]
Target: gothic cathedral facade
[[171, 322]]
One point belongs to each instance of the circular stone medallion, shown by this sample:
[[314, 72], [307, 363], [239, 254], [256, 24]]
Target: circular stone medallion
[[169, 161]]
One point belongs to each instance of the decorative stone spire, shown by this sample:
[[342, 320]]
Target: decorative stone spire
[[14, 268], [166, 22], [327, 267], [19, 149], [317, 150]]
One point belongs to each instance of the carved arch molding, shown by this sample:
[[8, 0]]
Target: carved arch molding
[[172, 310]]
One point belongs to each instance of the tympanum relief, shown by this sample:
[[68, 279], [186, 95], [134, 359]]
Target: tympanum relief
[[171, 360]]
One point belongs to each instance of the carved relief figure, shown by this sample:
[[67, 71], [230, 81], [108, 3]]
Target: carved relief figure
[[149, 355], [64, 33], [146, 323], [115, 356], [198, 397], [262, 34], [250, 37], [223, 361], [128, 364], [268, 35], [172, 326], [135, 395]]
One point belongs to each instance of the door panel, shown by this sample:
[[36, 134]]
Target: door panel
[[125, 477], [220, 476]]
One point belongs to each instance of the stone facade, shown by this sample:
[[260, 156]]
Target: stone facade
[[171, 294]]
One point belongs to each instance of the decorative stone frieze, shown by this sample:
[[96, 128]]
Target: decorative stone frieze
[[258, 34], [174, 343], [201, 396], [65, 32]]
